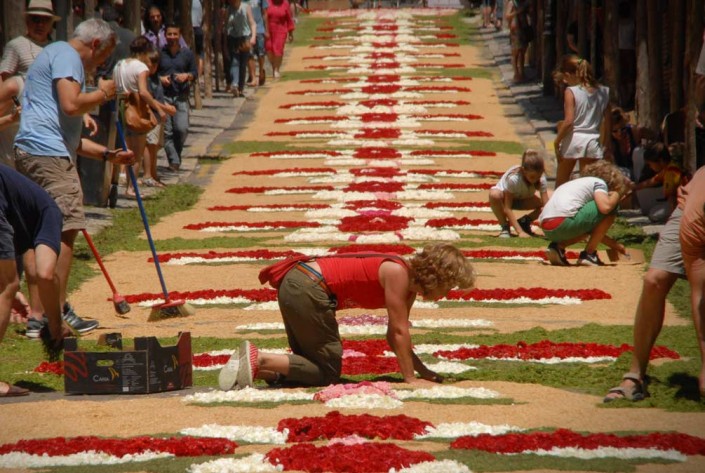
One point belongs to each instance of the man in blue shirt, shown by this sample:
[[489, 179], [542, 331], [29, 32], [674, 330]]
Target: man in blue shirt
[[53, 102], [177, 69]]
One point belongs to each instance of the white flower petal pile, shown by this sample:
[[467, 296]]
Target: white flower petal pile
[[445, 466], [241, 433], [610, 452], [446, 392], [248, 395], [26, 460], [454, 430], [364, 401], [254, 463]]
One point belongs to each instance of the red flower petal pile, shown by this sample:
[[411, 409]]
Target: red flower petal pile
[[272, 172], [379, 223], [275, 224], [263, 189], [255, 254], [371, 248], [562, 438], [224, 208], [548, 349], [363, 458], [179, 446], [337, 425]]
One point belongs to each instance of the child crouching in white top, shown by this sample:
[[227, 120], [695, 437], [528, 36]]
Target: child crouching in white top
[[517, 190], [584, 208]]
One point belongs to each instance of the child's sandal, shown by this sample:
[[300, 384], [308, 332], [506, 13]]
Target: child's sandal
[[633, 393]]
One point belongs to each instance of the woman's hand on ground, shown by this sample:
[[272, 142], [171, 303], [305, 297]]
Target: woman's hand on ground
[[524, 235]]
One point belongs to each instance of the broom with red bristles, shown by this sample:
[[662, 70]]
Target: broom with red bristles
[[170, 307], [119, 302]]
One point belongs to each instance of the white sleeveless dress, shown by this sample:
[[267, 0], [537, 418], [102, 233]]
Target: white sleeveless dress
[[584, 140]]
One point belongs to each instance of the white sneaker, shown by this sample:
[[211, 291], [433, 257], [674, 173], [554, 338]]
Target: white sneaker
[[227, 379], [248, 365]]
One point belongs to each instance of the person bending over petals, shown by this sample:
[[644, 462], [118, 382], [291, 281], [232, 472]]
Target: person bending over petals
[[310, 291], [29, 220], [584, 208], [517, 190]]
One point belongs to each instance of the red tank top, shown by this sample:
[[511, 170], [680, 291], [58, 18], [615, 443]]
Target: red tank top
[[355, 281]]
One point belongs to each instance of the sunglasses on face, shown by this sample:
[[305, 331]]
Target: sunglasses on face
[[38, 20]]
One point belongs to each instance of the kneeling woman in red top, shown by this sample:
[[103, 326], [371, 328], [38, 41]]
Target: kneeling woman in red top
[[310, 292]]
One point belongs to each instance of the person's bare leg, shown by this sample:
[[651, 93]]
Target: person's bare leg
[[648, 321], [696, 278], [564, 170], [521, 57], [136, 143], [35, 303], [270, 364], [9, 285], [496, 201], [48, 283], [63, 266]]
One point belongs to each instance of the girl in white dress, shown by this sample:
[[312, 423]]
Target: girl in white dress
[[584, 133]]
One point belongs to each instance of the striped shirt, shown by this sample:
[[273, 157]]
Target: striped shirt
[[19, 55]]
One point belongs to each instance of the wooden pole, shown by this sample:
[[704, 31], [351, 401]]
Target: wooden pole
[[218, 42], [655, 95], [548, 61], [132, 16], [694, 41], [643, 105], [678, 29], [610, 42], [207, 47]]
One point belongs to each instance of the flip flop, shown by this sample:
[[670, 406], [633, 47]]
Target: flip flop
[[14, 391]]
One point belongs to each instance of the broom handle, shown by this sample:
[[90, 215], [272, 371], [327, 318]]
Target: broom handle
[[98, 259], [131, 173]]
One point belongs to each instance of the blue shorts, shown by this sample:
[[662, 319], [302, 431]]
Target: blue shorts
[[7, 235], [258, 50]]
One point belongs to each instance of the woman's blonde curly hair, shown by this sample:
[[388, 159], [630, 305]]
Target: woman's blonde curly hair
[[609, 173], [441, 264]]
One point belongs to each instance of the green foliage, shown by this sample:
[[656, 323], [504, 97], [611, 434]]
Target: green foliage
[[484, 461]]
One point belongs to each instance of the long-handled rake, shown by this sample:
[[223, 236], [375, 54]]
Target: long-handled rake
[[170, 307], [121, 305]]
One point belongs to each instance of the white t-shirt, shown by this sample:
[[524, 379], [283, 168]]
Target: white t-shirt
[[572, 196], [589, 108], [512, 181], [126, 74]]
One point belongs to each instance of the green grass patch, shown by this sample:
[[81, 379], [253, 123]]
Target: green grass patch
[[166, 465], [306, 30], [480, 461]]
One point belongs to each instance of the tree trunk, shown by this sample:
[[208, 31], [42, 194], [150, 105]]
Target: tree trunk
[[187, 32], [582, 30], [548, 61], [132, 16], [694, 40], [678, 27], [643, 107], [11, 26], [169, 12], [610, 35], [655, 96], [207, 47], [218, 56]]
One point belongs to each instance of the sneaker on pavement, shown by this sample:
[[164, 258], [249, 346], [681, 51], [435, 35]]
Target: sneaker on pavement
[[556, 255], [77, 323], [505, 233], [525, 224], [227, 379], [248, 365], [589, 259], [34, 326]]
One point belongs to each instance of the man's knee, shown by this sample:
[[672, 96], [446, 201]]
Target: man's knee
[[658, 281]]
